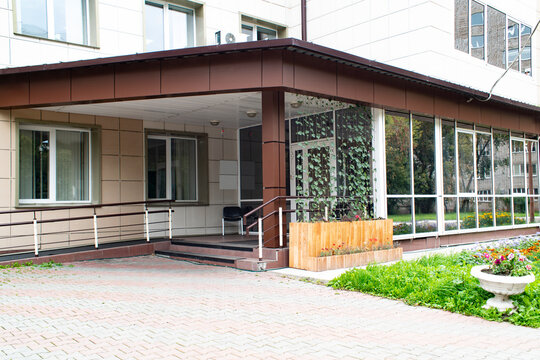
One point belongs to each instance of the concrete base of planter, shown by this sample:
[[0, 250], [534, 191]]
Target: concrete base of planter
[[501, 286], [333, 262]]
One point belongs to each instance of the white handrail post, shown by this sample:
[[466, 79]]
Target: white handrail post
[[96, 244], [326, 213], [260, 239], [146, 225], [36, 245], [170, 222], [280, 226]]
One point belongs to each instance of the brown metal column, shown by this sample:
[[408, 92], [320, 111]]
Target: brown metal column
[[273, 160]]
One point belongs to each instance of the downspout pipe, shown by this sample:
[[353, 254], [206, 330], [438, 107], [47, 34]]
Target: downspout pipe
[[303, 7]]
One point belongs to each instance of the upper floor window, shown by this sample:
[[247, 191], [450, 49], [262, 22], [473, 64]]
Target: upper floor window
[[62, 20], [255, 32], [488, 34], [168, 26]]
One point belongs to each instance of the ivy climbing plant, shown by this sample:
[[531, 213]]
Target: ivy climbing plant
[[334, 165]]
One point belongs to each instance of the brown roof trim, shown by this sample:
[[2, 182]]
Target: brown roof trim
[[290, 44]]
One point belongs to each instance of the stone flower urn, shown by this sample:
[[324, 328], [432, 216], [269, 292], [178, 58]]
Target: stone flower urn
[[500, 285]]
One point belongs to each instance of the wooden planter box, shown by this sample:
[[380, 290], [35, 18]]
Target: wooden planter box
[[306, 240]]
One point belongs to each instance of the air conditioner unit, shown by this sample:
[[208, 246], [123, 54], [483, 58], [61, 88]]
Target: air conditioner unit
[[229, 37]]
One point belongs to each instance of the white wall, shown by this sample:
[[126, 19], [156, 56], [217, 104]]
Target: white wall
[[419, 36]]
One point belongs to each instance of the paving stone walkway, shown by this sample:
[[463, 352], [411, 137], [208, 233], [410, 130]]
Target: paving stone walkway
[[155, 308]]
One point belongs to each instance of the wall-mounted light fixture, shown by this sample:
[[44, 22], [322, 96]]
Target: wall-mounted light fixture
[[251, 113], [214, 122]]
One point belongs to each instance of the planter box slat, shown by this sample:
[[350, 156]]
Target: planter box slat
[[308, 239]]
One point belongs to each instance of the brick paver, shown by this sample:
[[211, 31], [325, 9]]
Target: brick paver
[[154, 308]]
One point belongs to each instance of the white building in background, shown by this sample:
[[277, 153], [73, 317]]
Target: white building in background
[[463, 41]]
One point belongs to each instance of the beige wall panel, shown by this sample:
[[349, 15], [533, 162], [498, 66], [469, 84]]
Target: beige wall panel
[[230, 150], [174, 126], [61, 238], [131, 168], [131, 191], [195, 217], [110, 167], [131, 125], [194, 128], [54, 116], [30, 114], [110, 142], [5, 193], [213, 215], [213, 170], [150, 124], [215, 149], [131, 143], [107, 122], [110, 192], [5, 135], [5, 115], [108, 229], [230, 197], [215, 195], [5, 164]]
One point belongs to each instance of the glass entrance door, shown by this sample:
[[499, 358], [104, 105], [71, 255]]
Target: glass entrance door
[[313, 167]]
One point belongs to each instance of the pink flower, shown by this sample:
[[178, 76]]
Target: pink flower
[[486, 255], [497, 262], [528, 267], [510, 256], [521, 258], [502, 257]]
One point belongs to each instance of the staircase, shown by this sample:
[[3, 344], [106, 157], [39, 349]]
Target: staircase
[[237, 254]]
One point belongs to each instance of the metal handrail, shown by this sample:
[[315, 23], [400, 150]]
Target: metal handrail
[[85, 206], [92, 229]]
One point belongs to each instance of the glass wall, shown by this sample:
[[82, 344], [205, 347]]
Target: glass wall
[[410, 172], [489, 176]]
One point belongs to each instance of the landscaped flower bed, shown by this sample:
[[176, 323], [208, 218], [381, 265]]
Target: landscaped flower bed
[[445, 282]]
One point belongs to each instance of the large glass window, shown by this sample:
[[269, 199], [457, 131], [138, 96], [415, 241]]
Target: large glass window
[[410, 173], [54, 165], [61, 20], [168, 26], [172, 168]]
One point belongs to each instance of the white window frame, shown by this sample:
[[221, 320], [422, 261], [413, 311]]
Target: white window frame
[[168, 167], [52, 164], [254, 29], [166, 14], [51, 22]]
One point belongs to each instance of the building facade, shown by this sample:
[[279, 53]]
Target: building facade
[[203, 104]]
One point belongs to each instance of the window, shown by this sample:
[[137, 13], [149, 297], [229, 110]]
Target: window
[[255, 33], [54, 165], [168, 26], [62, 20], [172, 165], [410, 172], [488, 34]]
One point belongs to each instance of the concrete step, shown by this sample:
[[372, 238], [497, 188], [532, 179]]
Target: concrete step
[[214, 245], [206, 258]]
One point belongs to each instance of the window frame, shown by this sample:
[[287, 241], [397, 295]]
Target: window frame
[[87, 28], [168, 167], [518, 24], [52, 164], [255, 30], [166, 8]]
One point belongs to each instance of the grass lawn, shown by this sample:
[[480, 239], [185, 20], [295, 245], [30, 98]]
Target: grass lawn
[[444, 282]]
